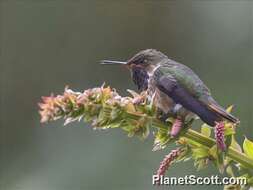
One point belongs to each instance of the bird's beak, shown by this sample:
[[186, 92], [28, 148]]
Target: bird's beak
[[109, 62]]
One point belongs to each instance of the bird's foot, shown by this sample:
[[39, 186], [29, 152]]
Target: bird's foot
[[176, 127], [219, 135], [161, 115], [140, 98]]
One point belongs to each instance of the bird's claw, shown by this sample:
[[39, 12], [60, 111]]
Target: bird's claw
[[140, 98]]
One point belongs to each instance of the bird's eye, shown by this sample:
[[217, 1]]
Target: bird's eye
[[140, 61], [143, 61]]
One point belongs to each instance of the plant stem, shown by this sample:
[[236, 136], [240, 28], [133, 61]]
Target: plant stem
[[209, 142], [201, 139]]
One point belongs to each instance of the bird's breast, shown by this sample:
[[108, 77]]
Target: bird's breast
[[165, 103], [160, 99]]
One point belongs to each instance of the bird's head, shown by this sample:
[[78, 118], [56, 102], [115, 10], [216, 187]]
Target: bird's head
[[145, 60], [141, 66]]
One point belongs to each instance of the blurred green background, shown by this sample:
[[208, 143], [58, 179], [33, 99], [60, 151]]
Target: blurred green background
[[48, 44]]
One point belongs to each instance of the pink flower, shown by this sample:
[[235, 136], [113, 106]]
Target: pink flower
[[219, 135], [167, 161], [47, 108]]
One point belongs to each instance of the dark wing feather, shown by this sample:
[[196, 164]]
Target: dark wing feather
[[222, 112], [180, 95], [187, 80]]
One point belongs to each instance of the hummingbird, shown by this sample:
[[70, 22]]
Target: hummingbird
[[174, 88]]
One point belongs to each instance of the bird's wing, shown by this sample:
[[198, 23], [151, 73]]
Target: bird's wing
[[188, 80], [185, 88]]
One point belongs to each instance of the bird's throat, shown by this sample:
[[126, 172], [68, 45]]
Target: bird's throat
[[151, 69]]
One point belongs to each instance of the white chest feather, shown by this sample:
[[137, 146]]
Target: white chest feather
[[160, 99]]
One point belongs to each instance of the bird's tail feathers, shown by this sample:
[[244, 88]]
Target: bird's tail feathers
[[223, 113]]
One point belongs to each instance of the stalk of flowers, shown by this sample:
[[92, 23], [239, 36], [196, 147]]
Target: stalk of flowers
[[99, 106], [167, 161], [56, 107], [104, 108], [219, 135], [72, 106]]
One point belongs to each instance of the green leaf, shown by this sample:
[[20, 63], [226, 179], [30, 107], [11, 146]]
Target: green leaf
[[115, 113], [229, 131], [220, 160], [218, 157], [161, 139], [205, 130], [185, 155], [248, 147], [213, 151], [230, 108], [113, 125], [232, 187], [235, 145], [230, 171], [250, 181], [228, 140], [201, 163], [145, 132], [198, 153]]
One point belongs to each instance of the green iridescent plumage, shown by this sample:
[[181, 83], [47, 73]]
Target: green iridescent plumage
[[174, 86]]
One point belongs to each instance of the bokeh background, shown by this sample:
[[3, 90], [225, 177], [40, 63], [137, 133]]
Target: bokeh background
[[48, 44]]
